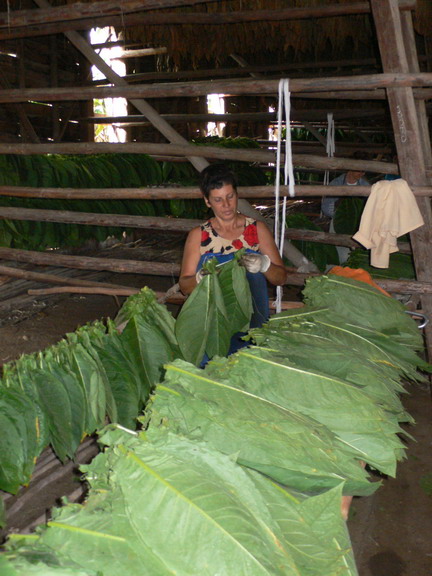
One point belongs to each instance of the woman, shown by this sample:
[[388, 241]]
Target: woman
[[226, 233]]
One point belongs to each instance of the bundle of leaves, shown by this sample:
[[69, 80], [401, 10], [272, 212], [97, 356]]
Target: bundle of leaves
[[99, 171], [252, 453], [347, 215], [58, 396], [221, 518]]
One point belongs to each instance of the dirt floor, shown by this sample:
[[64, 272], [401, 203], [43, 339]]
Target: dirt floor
[[390, 531]]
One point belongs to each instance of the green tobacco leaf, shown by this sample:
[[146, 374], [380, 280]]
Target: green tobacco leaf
[[363, 305], [55, 401], [193, 323], [84, 368], [284, 444], [19, 445], [348, 214], [149, 350], [366, 428], [219, 307], [380, 381], [219, 334], [204, 501], [318, 540], [237, 296], [374, 345], [124, 378]]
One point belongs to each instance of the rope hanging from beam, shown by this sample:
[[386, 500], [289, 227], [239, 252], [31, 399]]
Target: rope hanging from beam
[[284, 108]]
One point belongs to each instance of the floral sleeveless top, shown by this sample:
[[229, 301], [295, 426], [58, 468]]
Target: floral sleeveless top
[[212, 243]]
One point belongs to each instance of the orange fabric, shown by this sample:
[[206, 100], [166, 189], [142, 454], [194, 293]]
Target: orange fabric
[[356, 274]]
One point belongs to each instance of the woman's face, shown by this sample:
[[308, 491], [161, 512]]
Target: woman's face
[[223, 201]]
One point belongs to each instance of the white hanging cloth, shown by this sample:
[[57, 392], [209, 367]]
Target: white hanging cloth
[[284, 107], [330, 146]]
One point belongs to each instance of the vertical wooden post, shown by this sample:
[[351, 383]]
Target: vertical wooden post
[[411, 133]]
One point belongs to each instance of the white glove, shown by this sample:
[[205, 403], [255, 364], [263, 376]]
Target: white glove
[[255, 262]]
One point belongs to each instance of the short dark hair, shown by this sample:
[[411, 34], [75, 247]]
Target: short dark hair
[[214, 177]]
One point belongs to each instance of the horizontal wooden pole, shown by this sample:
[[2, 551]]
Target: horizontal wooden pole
[[251, 86], [50, 278], [321, 237], [52, 258], [86, 10], [189, 193], [391, 286], [297, 116], [90, 219], [187, 150]]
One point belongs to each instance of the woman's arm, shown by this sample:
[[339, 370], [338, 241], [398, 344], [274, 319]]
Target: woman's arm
[[191, 256], [277, 273]]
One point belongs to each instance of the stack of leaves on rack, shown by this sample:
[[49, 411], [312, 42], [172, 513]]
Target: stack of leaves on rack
[[239, 468], [99, 171], [99, 374]]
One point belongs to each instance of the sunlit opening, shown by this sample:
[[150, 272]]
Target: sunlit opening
[[112, 107], [215, 105]]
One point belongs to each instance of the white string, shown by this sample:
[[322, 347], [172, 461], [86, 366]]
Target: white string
[[330, 146], [284, 105]]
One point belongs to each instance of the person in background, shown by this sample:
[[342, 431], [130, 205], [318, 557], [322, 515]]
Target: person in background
[[350, 178], [329, 203], [227, 232]]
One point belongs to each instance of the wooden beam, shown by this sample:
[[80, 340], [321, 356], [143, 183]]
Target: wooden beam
[[93, 10], [392, 286], [50, 278], [228, 87], [189, 193], [90, 262], [411, 135], [141, 105], [81, 16], [278, 69], [240, 154], [92, 219], [199, 162], [314, 115]]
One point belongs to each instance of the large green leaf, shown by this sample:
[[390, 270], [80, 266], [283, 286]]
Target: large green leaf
[[237, 296], [19, 442], [348, 214], [219, 307], [286, 445], [364, 305], [343, 407], [372, 344], [202, 325], [380, 381], [124, 378], [318, 541], [206, 515]]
